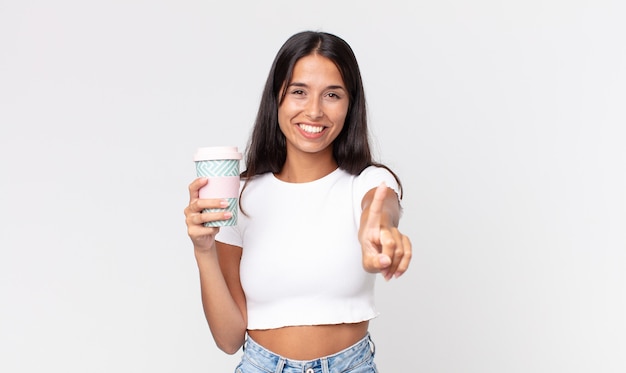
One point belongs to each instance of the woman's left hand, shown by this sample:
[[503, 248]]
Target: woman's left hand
[[385, 248]]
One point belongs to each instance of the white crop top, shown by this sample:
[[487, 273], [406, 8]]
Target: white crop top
[[301, 259]]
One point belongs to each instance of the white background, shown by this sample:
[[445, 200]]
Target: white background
[[504, 119]]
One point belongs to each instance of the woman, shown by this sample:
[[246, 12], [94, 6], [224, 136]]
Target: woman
[[293, 282]]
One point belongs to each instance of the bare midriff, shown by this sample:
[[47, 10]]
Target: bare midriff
[[309, 342]]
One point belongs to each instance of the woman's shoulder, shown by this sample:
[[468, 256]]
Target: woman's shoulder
[[257, 177], [374, 170], [374, 175]]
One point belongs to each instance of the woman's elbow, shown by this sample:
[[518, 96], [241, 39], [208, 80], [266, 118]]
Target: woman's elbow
[[229, 346], [230, 350]]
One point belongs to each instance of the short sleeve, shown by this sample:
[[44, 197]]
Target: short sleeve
[[372, 177], [230, 235]]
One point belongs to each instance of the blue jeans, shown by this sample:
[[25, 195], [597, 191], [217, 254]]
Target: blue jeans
[[358, 358]]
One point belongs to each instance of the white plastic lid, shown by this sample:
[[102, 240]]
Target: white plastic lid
[[217, 152]]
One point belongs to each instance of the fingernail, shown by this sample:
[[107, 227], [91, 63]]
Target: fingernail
[[385, 260], [228, 215], [224, 203], [385, 275]]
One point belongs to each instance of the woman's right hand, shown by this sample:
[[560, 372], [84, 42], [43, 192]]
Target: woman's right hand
[[203, 238]]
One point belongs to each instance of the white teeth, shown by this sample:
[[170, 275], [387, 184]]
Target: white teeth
[[311, 129]]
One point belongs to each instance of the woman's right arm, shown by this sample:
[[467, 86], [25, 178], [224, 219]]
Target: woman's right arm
[[223, 299]]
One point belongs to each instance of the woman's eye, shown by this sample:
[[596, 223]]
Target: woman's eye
[[297, 92], [333, 95]]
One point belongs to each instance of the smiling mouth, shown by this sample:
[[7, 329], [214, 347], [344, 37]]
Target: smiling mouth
[[310, 129]]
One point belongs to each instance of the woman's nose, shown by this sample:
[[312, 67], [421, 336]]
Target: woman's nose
[[313, 109]]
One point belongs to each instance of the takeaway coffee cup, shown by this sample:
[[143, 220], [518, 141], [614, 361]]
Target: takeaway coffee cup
[[220, 164]]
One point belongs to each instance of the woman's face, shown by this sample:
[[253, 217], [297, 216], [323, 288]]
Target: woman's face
[[315, 106]]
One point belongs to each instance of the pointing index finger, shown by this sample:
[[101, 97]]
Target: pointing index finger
[[376, 207]]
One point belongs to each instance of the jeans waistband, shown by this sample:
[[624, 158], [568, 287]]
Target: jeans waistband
[[363, 349]]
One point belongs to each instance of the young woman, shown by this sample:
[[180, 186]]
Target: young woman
[[293, 282]]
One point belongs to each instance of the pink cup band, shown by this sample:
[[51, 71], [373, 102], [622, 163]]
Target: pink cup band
[[221, 187]]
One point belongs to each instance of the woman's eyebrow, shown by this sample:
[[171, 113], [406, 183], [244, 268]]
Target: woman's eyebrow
[[304, 85], [335, 87], [297, 84]]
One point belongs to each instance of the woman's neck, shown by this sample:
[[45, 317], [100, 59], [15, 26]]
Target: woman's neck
[[306, 169]]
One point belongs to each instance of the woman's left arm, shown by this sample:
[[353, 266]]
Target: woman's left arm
[[385, 248]]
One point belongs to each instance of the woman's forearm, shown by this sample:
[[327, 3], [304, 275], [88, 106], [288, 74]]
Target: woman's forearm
[[222, 313]]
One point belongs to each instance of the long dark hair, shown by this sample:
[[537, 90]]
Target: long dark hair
[[267, 149]]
